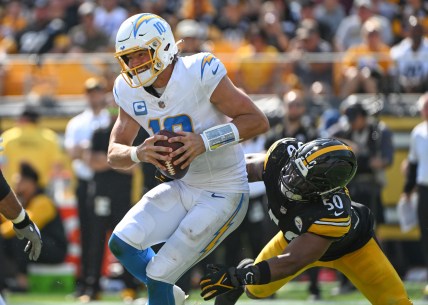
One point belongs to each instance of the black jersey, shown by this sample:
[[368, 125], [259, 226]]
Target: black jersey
[[334, 216]]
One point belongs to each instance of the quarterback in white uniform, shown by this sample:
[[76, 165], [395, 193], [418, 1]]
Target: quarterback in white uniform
[[193, 97]]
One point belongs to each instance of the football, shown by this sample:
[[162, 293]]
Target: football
[[173, 171]]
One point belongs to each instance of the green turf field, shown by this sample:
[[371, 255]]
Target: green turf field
[[294, 293]]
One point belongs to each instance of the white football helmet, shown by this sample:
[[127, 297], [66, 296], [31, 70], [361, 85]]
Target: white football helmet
[[145, 32]]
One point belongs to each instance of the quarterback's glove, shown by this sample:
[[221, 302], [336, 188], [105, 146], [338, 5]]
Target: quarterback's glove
[[222, 279], [28, 230]]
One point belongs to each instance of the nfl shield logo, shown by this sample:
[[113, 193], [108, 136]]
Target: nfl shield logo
[[161, 104], [298, 222]]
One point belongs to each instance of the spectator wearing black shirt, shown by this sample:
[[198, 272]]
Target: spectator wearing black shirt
[[110, 191], [40, 36]]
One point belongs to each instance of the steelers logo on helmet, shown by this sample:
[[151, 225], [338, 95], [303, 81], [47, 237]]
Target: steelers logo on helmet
[[145, 33], [317, 168]]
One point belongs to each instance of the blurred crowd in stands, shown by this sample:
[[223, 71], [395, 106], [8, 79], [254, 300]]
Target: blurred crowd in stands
[[300, 51], [250, 36]]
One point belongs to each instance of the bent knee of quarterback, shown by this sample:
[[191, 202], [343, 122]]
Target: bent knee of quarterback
[[118, 247]]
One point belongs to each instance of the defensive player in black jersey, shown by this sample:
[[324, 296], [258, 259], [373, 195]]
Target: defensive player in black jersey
[[319, 226]]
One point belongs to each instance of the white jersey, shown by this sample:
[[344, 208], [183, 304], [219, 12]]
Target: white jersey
[[79, 132], [412, 67], [418, 150], [185, 105]]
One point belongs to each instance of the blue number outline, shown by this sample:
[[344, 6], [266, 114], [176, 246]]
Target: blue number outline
[[170, 123]]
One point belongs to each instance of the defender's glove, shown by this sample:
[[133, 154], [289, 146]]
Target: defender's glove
[[222, 279], [232, 296], [28, 230]]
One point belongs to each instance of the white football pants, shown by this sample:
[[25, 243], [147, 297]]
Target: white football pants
[[192, 223]]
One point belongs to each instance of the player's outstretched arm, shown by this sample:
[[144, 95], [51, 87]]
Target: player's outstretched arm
[[12, 209], [255, 163], [27, 229], [302, 251], [22, 224]]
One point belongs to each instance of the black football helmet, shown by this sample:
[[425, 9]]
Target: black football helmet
[[317, 168]]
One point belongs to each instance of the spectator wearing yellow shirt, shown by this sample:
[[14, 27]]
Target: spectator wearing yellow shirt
[[36, 145], [12, 20], [258, 71], [199, 10], [41, 209], [366, 64]]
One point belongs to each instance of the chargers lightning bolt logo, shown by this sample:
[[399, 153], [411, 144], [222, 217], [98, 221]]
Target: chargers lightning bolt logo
[[222, 230], [206, 61], [144, 18]]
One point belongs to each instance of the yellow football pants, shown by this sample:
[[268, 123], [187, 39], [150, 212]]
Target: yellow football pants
[[367, 268]]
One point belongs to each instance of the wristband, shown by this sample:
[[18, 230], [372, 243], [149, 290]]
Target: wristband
[[20, 217], [133, 154], [23, 223], [265, 275], [220, 136], [258, 274]]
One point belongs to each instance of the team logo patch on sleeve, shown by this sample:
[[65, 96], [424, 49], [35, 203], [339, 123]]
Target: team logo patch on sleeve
[[209, 60], [140, 108]]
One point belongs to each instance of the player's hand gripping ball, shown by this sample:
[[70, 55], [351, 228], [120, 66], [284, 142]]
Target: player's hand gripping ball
[[172, 171]]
